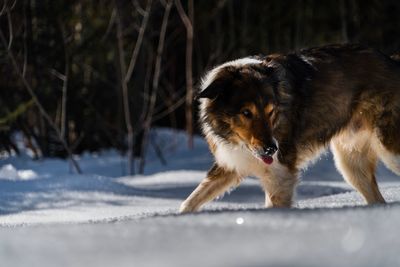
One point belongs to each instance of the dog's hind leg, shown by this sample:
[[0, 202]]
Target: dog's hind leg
[[387, 145], [218, 180], [357, 164], [390, 159]]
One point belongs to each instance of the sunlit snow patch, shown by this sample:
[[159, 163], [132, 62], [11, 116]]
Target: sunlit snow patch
[[9, 172]]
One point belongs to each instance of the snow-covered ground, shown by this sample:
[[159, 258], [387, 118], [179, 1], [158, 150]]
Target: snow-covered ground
[[52, 217]]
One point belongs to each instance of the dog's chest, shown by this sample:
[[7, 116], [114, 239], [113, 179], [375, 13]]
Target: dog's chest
[[238, 159]]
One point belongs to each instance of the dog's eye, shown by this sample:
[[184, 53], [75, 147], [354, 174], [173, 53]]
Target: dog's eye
[[247, 113]]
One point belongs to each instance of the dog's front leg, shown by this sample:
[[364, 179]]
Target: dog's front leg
[[218, 180], [279, 184]]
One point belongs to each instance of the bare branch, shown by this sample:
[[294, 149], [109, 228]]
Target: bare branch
[[10, 30], [170, 109], [42, 111], [110, 25], [138, 8], [13, 5], [4, 8], [146, 93], [25, 64], [160, 47], [125, 93], [138, 44], [158, 151], [156, 78], [189, 54], [65, 83], [57, 74]]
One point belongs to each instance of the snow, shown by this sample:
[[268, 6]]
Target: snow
[[53, 217], [9, 172]]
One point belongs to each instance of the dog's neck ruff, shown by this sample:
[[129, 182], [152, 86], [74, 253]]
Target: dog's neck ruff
[[235, 157], [238, 158]]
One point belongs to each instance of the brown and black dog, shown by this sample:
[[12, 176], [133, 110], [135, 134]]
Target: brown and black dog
[[270, 117]]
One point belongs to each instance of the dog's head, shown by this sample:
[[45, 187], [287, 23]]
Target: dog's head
[[239, 105]]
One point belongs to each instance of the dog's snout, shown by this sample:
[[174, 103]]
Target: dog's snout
[[270, 150]]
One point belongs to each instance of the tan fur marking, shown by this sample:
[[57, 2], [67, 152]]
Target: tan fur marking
[[269, 114], [268, 109], [211, 145], [216, 183], [391, 160], [278, 184], [356, 160], [308, 154], [251, 130]]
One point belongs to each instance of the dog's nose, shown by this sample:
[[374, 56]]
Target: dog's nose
[[270, 150]]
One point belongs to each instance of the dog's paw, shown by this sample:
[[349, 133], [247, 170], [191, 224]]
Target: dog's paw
[[186, 208]]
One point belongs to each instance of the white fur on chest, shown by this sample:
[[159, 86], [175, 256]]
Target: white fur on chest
[[239, 159]]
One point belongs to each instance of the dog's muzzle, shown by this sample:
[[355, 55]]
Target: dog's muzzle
[[270, 150], [266, 153]]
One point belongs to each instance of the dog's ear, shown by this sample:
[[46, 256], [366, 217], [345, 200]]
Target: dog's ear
[[221, 81], [212, 91], [219, 84], [263, 69]]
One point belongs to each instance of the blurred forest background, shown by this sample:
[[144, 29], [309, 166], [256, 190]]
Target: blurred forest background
[[89, 75]]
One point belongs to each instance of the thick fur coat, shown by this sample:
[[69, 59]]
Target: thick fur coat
[[271, 116]]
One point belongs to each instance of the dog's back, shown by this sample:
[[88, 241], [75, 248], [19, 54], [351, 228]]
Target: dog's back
[[345, 96]]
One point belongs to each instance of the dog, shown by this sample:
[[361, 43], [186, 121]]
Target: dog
[[272, 116]]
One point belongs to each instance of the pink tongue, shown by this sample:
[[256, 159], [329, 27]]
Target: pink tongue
[[267, 159]]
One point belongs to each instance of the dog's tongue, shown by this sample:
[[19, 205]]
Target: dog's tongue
[[267, 159]]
